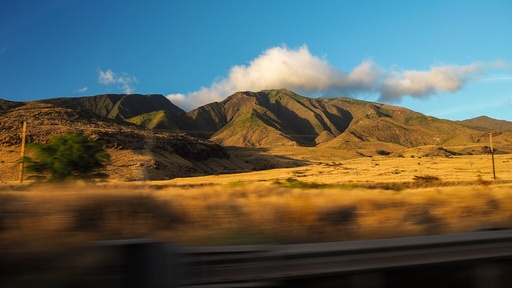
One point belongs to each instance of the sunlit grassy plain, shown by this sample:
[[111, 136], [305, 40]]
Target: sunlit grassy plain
[[331, 199]]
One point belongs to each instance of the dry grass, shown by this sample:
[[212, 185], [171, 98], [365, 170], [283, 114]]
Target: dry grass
[[38, 223], [247, 213], [338, 200], [330, 167]]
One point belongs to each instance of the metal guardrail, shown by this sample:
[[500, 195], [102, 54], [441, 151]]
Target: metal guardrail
[[147, 263]]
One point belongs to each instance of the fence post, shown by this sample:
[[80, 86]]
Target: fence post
[[23, 140], [492, 157]]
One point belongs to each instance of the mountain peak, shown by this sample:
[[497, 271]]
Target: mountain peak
[[118, 106], [486, 123]]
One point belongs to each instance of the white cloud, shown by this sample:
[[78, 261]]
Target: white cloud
[[281, 67], [180, 100], [426, 83], [106, 77], [300, 71], [278, 67], [82, 90], [124, 81]]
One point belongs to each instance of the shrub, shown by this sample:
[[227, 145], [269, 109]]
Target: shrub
[[383, 152], [69, 156]]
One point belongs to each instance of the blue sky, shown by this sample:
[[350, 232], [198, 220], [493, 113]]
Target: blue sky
[[448, 59]]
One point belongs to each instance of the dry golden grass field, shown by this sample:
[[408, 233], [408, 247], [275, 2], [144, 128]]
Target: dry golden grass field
[[331, 199]]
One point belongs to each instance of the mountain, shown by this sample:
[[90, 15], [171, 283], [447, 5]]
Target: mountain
[[484, 123], [149, 134], [281, 117], [374, 122], [6, 105], [137, 154], [118, 106], [271, 117]]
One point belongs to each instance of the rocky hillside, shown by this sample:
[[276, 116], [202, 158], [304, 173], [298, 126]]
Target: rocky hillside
[[136, 152], [273, 117], [281, 117], [117, 106]]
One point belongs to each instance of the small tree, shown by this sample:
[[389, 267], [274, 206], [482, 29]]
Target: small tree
[[70, 156]]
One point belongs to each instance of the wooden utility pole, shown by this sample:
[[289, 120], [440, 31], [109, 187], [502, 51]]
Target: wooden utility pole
[[23, 139], [492, 157]]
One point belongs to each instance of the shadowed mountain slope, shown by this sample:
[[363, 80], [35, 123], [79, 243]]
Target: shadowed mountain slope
[[375, 122], [118, 106], [6, 105], [271, 117]]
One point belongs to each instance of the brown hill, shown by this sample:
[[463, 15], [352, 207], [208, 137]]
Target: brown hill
[[271, 117], [487, 124], [281, 117], [261, 121], [117, 106], [382, 123], [137, 154]]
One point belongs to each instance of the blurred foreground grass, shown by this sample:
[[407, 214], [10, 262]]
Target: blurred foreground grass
[[43, 227], [46, 217]]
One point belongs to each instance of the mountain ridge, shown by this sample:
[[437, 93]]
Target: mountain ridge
[[281, 117], [251, 118], [137, 154], [117, 106], [487, 123], [148, 142]]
